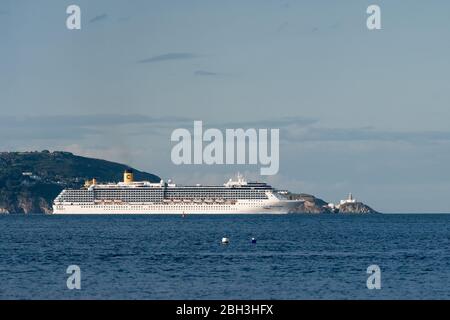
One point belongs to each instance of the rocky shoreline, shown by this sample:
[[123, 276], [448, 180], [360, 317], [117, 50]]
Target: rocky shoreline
[[313, 205]]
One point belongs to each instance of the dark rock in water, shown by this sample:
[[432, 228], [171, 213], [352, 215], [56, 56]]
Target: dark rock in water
[[357, 207], [311, 204], [29, 181], [315, 205]]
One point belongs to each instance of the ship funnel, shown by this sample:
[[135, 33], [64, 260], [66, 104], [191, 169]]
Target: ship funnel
[[128, 176], [89, 183]]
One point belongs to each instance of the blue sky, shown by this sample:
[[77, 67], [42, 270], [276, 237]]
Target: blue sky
[[358, 110]]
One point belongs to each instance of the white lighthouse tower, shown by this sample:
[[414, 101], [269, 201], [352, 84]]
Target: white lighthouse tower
[[350, 199]]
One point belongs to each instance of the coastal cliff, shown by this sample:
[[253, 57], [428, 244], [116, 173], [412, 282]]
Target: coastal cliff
[[311, 204], [357, 207], [29, 181], [315, 205]]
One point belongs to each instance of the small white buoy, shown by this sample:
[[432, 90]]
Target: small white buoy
[[225, 240], [253, 240]]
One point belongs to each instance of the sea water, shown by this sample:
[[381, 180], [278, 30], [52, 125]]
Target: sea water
[[171, 257]]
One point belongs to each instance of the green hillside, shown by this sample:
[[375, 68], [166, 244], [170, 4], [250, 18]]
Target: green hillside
[[29, 181]]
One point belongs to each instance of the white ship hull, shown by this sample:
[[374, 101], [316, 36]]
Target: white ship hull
[[130, 197], [241, 207]]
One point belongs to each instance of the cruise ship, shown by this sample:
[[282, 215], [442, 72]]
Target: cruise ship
[[142, 197]]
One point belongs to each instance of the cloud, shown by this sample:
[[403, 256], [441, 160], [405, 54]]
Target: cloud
[[364, 134], [281, 122], [205, 73], [168, 57], [293, 129], [124, 19], [335, 25], [72, 127], [84, 120], [98, 18], [76, 127], [282, 26]]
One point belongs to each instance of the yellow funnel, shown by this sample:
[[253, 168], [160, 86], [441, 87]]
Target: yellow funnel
[[128, 176]]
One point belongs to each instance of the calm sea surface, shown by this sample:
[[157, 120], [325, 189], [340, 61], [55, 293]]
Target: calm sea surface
[[170, 257]]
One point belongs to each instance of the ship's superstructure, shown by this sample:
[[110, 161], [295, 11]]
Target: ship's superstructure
[[143, 197]]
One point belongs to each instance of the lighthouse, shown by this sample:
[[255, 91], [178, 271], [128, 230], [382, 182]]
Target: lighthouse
[[350, 199]]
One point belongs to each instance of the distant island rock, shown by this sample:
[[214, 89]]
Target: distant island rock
[[357, 207], [30, 181], [313, 205]]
